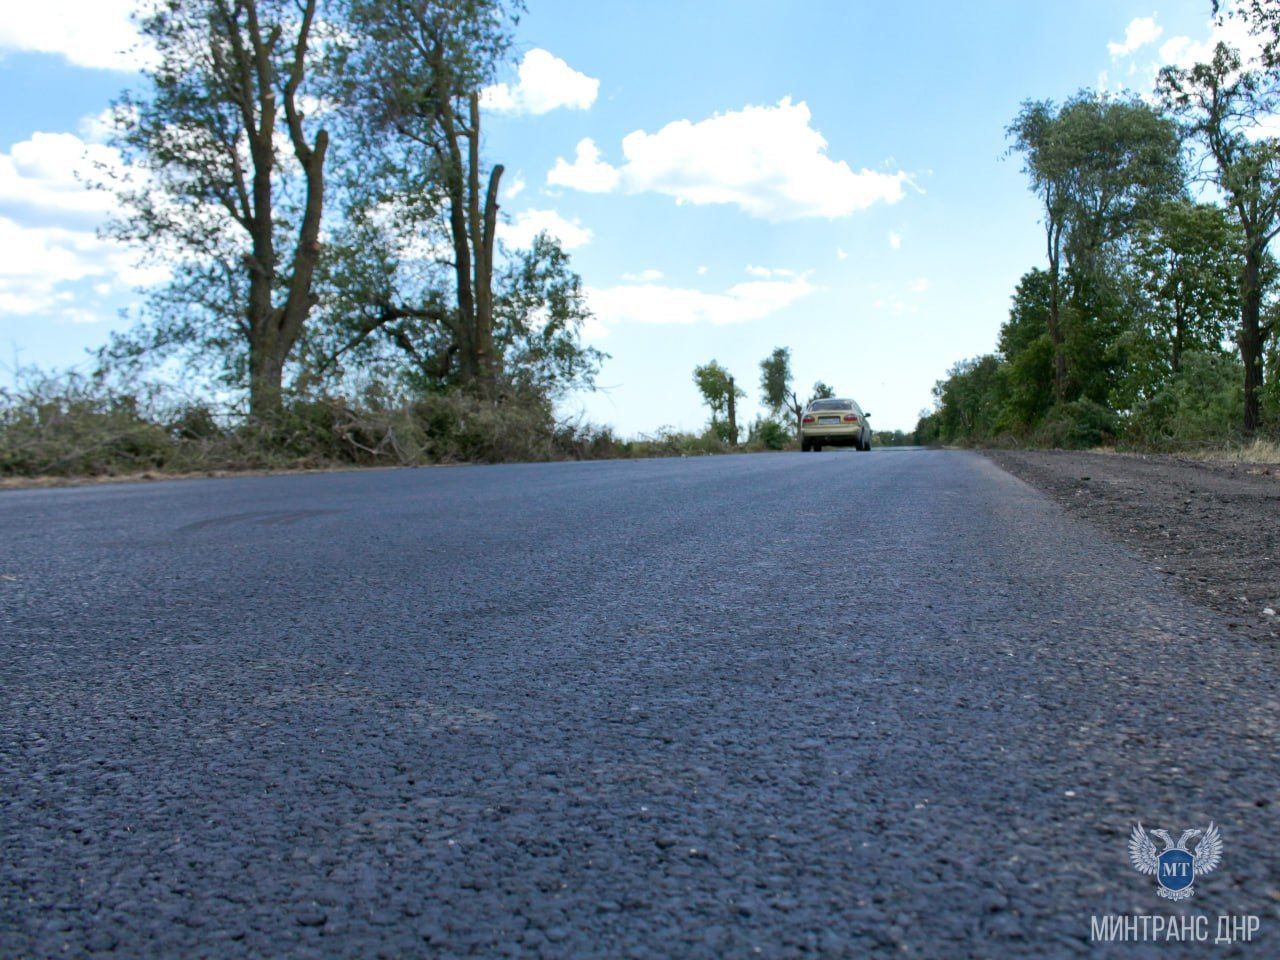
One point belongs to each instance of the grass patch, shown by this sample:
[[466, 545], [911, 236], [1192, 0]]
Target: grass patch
[[1259, 451]]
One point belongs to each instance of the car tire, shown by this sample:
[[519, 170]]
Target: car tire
[[805, 446], [816, 448]]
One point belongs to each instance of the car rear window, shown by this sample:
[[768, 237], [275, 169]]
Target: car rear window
[[831, 405]]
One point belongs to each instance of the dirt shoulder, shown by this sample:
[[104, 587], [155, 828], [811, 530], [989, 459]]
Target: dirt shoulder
[[1212, 527]]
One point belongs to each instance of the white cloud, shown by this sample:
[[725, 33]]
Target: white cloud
[[1182, 51], [702, 271], [88, 33], [515, 187], [768, 161], [654, 304], [97, 127], [920, 285], [767, 272], [44, 178], [840, 254], [896, 306], [38, 265], [1140, 65], [544, 83], [895, 240], [528, 224], [1140, 32], [644, 276], [48, 223], [587, 173]]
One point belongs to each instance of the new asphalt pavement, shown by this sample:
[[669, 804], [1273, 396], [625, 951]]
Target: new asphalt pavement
[[838, 704]]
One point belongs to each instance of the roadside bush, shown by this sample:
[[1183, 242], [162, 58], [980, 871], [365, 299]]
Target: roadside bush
[[1201, 403], [75, 426], [769, 435], [667, 442], [1076, 425]]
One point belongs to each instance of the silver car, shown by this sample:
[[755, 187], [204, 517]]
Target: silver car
[[835, 422]]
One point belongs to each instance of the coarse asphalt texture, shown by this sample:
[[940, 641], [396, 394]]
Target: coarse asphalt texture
[[837, 704]]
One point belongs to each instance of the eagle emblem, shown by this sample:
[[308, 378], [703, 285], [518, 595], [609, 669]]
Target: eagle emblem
[[1176, 868]]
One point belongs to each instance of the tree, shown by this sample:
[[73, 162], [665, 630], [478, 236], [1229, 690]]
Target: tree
[[539, 310], [1098, 165], [388, 311], [1224, 105], [968, 399], [1184, 266], [1027, 351], [720, 394], [822, 392], [239, 216], [413, 75], [776, 391]]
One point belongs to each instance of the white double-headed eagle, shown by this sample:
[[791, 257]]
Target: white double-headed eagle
[[1205, 859]]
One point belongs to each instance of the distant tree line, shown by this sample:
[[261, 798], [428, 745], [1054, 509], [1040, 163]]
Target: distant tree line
[[1154, 317], [780, 426]]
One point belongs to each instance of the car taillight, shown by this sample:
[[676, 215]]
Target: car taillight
[[807, 420], [850, 418]]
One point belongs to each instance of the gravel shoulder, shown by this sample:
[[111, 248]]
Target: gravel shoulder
[[1212, 528]]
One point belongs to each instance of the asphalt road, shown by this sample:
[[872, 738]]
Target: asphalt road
[[840, 704]]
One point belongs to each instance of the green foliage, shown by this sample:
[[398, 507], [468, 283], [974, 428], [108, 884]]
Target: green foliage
[[227, 188], [1028, 354], [822, 391], [1127, 334], [1199, 403], [540, 308], [895, 438], [1078, 424], [927, 432], [402, 284], [968, 400], [1227, 106], [75, 426], [775, 381], [1028, 386], [717, 385], [769, 434], [1099, 165]]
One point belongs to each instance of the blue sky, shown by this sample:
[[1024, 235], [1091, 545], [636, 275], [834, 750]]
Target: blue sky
[[827, 176]]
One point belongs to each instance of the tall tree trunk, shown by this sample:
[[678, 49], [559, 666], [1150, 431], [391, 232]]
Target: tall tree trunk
[[1054, 243], [456, 183], [492, 358], [733, 414], [266, 380], [266, 368], [1179, 334], [473, 223], [1251, 334], [272, 331], [484, 224]]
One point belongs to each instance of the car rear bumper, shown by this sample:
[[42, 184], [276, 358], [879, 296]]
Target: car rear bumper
[[833, 435]]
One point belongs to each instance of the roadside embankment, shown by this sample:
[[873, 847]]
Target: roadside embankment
[[1212, 526]]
